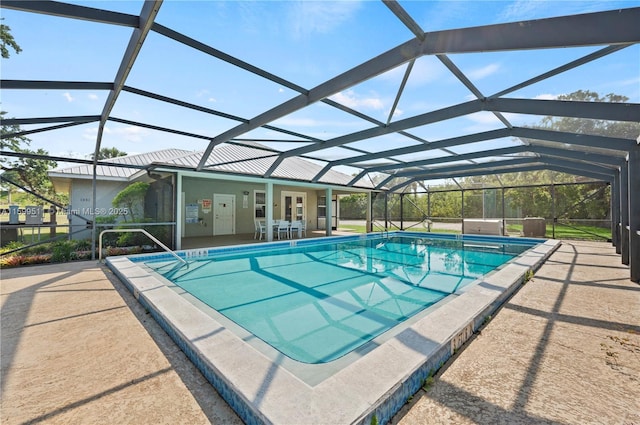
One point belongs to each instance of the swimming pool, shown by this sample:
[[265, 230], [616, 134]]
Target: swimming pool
[[317, 302], [373, 381]]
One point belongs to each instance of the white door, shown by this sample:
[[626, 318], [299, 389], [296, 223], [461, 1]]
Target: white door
[[224, 217]]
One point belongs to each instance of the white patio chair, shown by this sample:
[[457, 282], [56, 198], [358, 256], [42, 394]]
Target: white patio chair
[[283, 227], [260, 230], [296, 228], [303, 228]]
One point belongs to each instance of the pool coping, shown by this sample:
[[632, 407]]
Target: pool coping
[[261, 391]]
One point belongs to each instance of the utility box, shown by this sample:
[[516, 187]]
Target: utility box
[[534, 227], [482, 227], [34, 215], [14, 214]]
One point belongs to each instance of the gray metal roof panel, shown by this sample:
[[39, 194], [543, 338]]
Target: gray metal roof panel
[[226, 158]]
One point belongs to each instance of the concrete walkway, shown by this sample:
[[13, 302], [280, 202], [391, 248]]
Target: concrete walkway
[[564, 350], [77, 348]]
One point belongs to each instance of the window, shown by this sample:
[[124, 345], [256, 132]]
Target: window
[[259, 203]]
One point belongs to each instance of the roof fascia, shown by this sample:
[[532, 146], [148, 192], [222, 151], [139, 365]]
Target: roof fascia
[[99, 177], [260, 180]]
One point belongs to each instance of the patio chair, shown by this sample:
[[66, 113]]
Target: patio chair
[[296, 227], [260, 230], [283, 227], [303, 228]]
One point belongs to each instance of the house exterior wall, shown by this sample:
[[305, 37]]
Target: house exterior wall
[[81, 203], [196, 189]]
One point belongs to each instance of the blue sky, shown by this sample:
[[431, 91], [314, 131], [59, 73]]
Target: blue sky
[[305, 42]]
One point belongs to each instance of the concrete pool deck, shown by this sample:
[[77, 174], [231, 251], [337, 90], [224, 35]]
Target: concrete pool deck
[[78, 348]]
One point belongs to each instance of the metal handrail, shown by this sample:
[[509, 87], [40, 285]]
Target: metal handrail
[[163, 246]]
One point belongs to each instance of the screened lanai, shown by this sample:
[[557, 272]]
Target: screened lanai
[[399, 94]]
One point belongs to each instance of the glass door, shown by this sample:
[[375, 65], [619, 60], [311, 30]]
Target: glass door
[[294, 206]]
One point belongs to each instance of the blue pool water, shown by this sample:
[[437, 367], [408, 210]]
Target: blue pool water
[[318, 302]]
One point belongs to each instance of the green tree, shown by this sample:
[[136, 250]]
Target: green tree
[[106, 153], [626, 130], [7, 40], [353, 206], [131, 200], [537, 201]]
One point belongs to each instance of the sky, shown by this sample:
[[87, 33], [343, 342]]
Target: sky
[[304, 42]]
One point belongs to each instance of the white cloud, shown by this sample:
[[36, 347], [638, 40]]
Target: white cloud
[[352, 100], [311, 17], [483, 117], [424, 71], [212, 99], [485, 71], [68, 96], [523, 9], [92, 96], [397, 113], [546, 96]]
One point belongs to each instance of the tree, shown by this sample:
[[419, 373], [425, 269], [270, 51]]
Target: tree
[[354, 206], [131, 200], [625, 130], [536, 201], [106, 153], [7, 40]]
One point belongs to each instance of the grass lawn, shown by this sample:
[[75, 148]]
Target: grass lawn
[[362, 229], [577, 232]]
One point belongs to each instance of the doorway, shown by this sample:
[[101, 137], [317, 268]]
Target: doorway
[[294, 206], [224, 218]]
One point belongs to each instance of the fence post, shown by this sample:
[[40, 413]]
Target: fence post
[[504, 220], [53, 221], [462, 209], [553, 210], [402, 211]]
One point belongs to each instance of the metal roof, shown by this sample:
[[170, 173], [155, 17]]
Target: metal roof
[[227, 158], [124, 167]]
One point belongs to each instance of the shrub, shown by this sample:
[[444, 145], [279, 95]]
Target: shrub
[[11, 261], [108, 239], [44, 248], [62, 251], [23, 260], [83, 245], [11, 246]]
